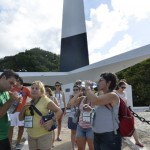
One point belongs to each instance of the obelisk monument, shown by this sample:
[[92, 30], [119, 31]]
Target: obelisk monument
[[74, 49]]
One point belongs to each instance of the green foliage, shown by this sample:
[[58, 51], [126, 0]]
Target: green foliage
[[34, 60], [139, 77]]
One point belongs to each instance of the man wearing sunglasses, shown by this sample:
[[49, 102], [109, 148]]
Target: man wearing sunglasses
[[7, 81]]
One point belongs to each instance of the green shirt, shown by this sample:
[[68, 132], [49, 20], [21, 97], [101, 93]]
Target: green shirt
[[4, 123]]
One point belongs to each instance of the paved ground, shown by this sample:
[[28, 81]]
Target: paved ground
[[142, 128]]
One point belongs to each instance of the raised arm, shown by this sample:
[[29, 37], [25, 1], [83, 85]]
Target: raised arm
[[76, 99], [6, 106], [109, 98]]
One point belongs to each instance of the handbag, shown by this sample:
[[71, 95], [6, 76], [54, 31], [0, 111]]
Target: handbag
[[76, 116], [49, 116]]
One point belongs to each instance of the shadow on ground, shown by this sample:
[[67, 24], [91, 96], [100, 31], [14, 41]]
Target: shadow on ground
[[63, 146]]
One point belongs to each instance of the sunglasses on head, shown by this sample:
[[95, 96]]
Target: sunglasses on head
[[123, 87], [75, 89]]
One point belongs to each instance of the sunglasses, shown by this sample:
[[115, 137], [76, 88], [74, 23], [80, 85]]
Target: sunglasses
[[123, 87], [75, 89], [57, 85]]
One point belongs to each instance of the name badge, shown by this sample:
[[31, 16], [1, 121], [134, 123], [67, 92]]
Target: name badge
[[28, 122], [86, 116]]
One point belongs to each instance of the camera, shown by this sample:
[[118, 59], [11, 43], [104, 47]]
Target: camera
[[92, 85], [50, 116]]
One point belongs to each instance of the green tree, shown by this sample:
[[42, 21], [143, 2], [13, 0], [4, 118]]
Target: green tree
[[139, 77], [33, 60]]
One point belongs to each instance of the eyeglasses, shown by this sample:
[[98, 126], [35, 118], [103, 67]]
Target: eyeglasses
[[123, 87], [75, 89], [31, 111], [57, 85]]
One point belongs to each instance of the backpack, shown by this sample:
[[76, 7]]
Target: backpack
[[126, 120]]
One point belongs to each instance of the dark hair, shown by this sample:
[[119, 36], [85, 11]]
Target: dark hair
[[78, 82], [121, 82], [49, 91], [59, 84], [20, 80], [79, 87], [110, 77], [9, 74]]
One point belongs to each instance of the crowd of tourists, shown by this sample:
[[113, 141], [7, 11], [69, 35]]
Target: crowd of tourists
[[41, 109]]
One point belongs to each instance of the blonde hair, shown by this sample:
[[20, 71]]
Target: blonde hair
[[41, 86]]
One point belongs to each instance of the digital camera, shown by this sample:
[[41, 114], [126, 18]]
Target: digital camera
[[50, 116], [92, 85]]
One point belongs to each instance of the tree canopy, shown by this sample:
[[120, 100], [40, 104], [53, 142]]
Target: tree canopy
[[138, 76], [33, 60]]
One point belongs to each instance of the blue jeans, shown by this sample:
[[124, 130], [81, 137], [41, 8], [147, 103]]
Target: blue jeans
[[107, 141]]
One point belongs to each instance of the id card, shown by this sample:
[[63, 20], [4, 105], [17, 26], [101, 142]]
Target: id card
[[86, 116], [28, 122]]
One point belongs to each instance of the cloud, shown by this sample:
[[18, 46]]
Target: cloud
[[123, 45], [103, 26], [114, 27], [28, 24], [140, 9]]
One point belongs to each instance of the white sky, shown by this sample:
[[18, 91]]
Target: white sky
[[113, 26]]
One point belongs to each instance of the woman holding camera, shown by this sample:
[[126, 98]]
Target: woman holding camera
[[84, 133], [37, 129], [106, 135]]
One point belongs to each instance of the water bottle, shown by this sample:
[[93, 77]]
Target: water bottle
[[15, 104], [93, 85], [13, 107]]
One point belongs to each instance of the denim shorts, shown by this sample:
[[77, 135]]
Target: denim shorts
[[84, 132]]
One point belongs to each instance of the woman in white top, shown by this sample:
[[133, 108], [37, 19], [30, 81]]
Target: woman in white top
[[59, 94], [120, 90]]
